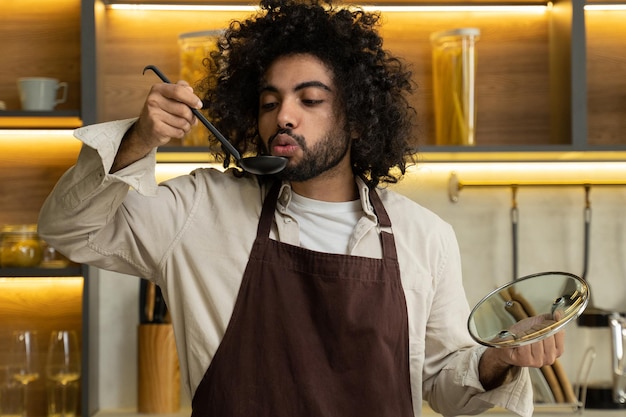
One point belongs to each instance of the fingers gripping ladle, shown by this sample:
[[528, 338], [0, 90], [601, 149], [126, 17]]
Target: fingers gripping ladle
[[259, 165]]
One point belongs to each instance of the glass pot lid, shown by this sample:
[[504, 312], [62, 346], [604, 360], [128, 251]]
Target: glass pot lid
[[528, 309]]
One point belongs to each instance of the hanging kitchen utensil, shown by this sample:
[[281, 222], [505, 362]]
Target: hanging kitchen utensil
[[514, 226], [259, 165], [587, 223], [592, 316]]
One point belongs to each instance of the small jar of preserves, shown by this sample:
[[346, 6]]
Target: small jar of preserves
[[20, 246]]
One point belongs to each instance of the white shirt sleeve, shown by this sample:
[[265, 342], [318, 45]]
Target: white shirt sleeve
[[70, 214]]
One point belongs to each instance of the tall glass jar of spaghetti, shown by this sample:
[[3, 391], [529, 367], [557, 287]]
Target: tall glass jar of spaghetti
[[194, 49], [454, 90]]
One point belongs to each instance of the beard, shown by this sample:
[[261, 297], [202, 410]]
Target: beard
[[322, 157]]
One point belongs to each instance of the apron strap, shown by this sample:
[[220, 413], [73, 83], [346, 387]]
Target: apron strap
[[387, 240], [379, 209], [267, 213]]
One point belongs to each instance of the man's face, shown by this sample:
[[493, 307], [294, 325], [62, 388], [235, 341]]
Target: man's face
[[298, 117]]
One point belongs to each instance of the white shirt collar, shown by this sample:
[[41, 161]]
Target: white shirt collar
[[285, 194]]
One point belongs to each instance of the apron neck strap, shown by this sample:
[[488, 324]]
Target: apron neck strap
[[267, 213], [379, 209], [387, 240]]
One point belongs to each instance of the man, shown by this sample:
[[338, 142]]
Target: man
[[313, 292]]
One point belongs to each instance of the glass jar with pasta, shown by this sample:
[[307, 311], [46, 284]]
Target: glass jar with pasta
[[454, 74], [194, 49]]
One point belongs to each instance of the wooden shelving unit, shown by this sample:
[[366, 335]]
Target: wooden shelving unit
[[549, 85]]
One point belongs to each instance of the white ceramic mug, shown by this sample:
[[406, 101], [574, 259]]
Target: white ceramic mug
[[39, 93]]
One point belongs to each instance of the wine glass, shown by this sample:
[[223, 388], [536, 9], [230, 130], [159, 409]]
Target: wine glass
[[62, 368], [24, 364], [11, 393]]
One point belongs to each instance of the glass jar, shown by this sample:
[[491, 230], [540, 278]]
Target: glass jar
[[194, 48], [51, 258], [454, 76], [20, 246]]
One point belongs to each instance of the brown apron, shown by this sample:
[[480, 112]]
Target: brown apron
[[312, 334]]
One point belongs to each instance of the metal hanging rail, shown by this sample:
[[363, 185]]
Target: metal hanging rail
[[455, 185]]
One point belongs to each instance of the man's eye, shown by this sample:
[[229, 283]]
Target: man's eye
[[311, 102], [268, 106]]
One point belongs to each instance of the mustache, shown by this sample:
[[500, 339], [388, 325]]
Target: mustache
[[285, 131]]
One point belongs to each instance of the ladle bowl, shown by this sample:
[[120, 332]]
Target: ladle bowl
[[258, 165]]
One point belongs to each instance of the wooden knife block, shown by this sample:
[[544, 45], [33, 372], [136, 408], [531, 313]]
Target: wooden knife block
[[158, 385]]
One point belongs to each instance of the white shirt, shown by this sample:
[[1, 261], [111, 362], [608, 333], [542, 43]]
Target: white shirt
[[325, 226]]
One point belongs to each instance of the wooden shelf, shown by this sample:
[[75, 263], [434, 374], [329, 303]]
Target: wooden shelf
[[69, 271], [66, 119]]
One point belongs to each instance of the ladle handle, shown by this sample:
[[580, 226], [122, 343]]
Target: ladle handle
[[229, 147]]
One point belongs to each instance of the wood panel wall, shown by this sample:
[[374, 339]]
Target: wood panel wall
[[606, 77], [512, 81], [29, 169], [40, 39]]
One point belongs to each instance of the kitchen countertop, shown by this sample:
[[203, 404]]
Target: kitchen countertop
[[539, 411]]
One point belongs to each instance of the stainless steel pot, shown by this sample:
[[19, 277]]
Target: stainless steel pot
[[617, 324]]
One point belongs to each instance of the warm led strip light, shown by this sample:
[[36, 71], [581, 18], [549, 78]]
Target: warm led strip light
[[605, 7], [382, 8], [183, 7], [461, 8], [12, 133], [485, 172]]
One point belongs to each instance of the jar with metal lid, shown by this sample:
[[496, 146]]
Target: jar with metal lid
[[20, 246]]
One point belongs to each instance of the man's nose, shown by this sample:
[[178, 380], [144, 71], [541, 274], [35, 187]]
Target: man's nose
[[287, 115]]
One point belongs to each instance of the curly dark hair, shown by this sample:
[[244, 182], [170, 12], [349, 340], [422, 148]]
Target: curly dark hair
[[373, 85]]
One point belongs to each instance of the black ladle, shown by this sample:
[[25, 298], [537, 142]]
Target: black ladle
[[259, 165]]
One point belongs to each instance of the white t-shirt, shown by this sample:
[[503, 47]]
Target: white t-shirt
[[325, 226]]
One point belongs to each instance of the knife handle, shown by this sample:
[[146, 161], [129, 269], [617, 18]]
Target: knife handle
[[150, 299]]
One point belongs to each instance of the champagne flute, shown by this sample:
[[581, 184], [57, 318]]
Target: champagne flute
[[62, 368], [24, 364]]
